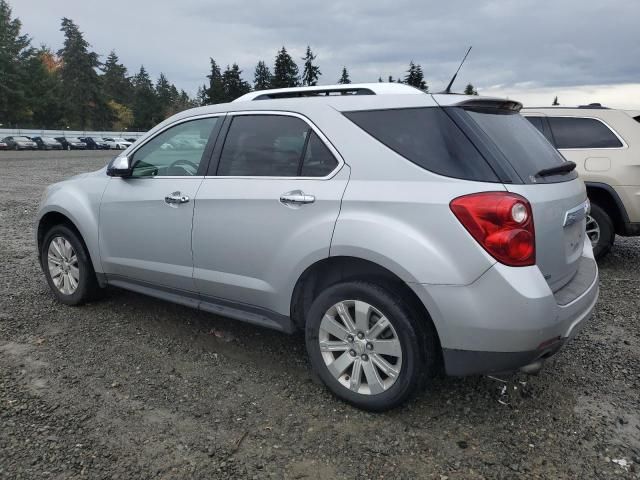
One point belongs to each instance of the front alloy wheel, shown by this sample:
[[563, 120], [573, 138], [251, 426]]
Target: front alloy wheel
[[67, 266], [62, 262]]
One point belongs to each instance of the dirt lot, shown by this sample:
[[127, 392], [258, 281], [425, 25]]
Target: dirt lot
[[130, 387]]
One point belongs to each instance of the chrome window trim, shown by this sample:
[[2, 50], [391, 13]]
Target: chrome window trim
[[624, 144], [160, 132], [313, 127]]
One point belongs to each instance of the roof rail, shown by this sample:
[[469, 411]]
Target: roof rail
[[329, 90], [595, 106]]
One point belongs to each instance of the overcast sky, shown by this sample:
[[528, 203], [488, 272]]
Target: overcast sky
[[581, 50]]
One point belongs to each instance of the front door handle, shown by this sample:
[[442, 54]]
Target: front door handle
[[296, 197], [176, 198]]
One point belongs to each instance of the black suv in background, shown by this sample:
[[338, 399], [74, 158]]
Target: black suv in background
[[95, 143], [72, 143]]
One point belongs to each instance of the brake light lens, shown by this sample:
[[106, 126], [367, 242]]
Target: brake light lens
[[502, 223]]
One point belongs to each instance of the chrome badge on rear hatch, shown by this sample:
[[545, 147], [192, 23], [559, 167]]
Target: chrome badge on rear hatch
[[576, 214]]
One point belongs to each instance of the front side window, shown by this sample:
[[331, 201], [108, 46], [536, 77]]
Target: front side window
[[572, 132], [273, 146], [177, 151]]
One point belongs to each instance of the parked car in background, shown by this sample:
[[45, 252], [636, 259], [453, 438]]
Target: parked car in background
[[605, 145], [4, 146], [47, 143], [95, 143], [72, 143], [403, 232], [20, 143], [117, 143]]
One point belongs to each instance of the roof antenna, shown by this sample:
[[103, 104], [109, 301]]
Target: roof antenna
[[453, 79]]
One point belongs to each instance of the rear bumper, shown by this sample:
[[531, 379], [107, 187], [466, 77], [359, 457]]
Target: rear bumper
[[509, 317]]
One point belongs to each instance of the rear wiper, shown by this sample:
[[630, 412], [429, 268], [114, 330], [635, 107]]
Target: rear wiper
[[566, 167]]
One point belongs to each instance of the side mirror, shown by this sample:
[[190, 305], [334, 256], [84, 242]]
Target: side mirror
[[119, 167]]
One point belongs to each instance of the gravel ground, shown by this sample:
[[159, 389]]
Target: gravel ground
[[131, 387]]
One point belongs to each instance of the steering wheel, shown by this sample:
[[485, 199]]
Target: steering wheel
[[184, 163]]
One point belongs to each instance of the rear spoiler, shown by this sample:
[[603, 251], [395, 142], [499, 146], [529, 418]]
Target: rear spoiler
[[491, 104]]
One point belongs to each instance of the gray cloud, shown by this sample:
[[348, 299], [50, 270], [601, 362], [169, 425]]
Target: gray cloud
[[516, 43]]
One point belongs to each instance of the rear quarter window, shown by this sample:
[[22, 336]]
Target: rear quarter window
[[573, 132], [427, 137]]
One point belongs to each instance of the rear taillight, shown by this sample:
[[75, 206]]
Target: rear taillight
[[502, 223]]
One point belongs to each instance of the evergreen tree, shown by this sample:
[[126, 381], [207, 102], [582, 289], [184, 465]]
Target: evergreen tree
[[215, 90], [379, 79], [15, 50], [555, 102], [391, 80], [84, 103], [233, 84], [311, 72], [144, 101], [262, 77], [470, 90], [164, 97], [116, 84], [45, 91], [285, 71], [201, 96], [415, 77], [344, 78]]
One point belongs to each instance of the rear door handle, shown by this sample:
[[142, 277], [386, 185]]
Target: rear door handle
[[296, 197], [176, 198]]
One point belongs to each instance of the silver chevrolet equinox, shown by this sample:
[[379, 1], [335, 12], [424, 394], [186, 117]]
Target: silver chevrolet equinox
[[405, 233]]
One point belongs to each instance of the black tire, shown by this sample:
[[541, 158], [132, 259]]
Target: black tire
[[88, 288], [416, 334], [607, 232]]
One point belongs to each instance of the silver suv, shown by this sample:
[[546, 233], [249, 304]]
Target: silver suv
[[405, 233]]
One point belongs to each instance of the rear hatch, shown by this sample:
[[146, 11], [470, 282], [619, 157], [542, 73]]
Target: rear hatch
[[558, 200]]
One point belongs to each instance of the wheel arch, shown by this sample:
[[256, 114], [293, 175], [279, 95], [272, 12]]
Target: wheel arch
[[332, 270], [607, 198], [56, 217]]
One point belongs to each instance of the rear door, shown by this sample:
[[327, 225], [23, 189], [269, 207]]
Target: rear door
[[558, 201], [266, 211]]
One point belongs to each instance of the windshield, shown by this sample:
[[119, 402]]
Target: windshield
[[22, 139], [49, 139], [73, 140], [521, 144]]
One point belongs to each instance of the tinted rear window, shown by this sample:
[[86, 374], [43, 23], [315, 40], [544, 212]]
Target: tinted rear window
[[582, 133], [520, 143], [427, 137]]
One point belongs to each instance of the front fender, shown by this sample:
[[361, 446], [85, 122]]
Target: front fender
[[78, 199]]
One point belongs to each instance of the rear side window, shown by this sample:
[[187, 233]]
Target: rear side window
[[520, 144], [273, 146], [428, 138], [570, 132]]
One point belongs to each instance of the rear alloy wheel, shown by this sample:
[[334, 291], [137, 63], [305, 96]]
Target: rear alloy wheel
[[67, 266], [367, 346], [600, 231]]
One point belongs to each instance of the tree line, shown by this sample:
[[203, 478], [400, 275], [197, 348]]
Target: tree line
[[73, 88]]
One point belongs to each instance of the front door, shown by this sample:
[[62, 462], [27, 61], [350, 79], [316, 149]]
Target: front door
[[146, 219], [269, 211]]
